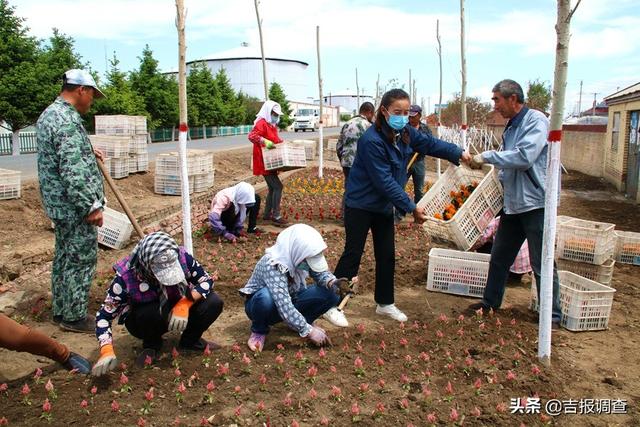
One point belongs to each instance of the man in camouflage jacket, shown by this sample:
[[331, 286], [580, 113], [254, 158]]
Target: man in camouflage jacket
[[73, 197], [348, 139]]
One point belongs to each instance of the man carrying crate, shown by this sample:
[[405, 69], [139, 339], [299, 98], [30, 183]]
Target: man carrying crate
[[522, 165], [73, 197]]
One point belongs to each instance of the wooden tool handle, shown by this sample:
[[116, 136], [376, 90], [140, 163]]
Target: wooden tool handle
[[413, 159], [344, 302], [123, 202]]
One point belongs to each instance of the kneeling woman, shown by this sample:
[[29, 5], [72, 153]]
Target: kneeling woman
[[158, 288], [277, 289], [230, 207]]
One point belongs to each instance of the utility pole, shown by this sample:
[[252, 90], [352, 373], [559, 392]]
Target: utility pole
[[593, 110], [377, 90], [409, 91], [463, 96], [264, 62], [414, 98], [580, 101], [357, 92]]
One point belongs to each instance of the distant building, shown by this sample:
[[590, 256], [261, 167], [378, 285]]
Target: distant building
[[348, 101]]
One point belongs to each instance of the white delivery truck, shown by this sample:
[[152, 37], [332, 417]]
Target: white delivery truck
[[306, 118]]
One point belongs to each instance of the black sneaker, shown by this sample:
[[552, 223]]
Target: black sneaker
[[280, 222], [77, 363], [86, 325], [254, 230], [199, 345]]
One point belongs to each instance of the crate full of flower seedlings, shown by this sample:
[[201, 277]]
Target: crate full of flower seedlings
[[627, 247], [585, 304], [585, 241], [461, 204], [457, 272], [285, 156]]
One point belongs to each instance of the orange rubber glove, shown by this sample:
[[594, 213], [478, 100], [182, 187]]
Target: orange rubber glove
[[179, 316]]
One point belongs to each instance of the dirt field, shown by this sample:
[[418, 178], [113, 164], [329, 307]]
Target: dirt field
[[437, 369]]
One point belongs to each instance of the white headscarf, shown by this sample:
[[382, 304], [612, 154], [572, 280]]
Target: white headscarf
[[265, 111], [241, 194], [293, 245]]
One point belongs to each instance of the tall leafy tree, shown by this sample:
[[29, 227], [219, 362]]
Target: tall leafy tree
[[276, 93], [202, 95], [251, 106], [477, 111], [229, 108], [158, 91], [120, 98], [23, 93], [538, 95]]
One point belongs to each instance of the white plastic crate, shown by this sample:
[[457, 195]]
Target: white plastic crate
[[202, 182], [598, 273], [116, 229], [627, 247], [585, 304], [138, 162], [332, 143], [116, 125], [457, 272], [9, 184], [138, 144], [466, 226], [170, 184], [284, 156], [111, 145], [119, 167], [140, 123], [331, 153], [585, 241], [198, 162], [309, 147]]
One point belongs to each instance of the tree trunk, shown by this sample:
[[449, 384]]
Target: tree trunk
[[321, 124], [15, 142], [552, 179], [463, 95]]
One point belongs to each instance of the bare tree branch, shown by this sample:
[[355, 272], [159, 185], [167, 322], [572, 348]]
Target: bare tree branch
[[573, 11]]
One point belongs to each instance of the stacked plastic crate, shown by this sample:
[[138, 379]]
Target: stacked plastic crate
[[111, 134], [199, 170], [9, 184]]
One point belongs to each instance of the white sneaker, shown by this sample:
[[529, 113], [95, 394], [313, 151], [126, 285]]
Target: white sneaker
[[392, 311], [336, 317]]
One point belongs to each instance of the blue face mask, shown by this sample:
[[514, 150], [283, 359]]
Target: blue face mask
[[275, 119], [303, 266], [398, 122]]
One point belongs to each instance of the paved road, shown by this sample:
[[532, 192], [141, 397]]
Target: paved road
[[26, 163]]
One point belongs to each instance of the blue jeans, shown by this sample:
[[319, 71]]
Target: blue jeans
[[512, 232], [311, 302]]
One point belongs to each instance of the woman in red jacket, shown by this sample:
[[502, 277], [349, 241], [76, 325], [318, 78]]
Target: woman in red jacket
[[265, 134]]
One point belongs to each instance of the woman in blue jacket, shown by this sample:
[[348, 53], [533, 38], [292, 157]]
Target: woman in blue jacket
[[376, 185]]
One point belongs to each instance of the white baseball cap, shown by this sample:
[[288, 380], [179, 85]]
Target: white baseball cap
[[318, 263], [167, 269], [276, 109], [82, 78]]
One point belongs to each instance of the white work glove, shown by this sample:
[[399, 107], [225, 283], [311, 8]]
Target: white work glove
[[476, 162], [318, 336], [106, 363], [179, 316]]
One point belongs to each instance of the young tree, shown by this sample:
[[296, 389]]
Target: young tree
[[202, 95], [120, 98], [23, 92], [277, 94], [477, 111], [229, 108], [158, 91], [538, 95]]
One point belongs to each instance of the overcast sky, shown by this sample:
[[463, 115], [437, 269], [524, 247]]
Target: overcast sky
[[505, 39]]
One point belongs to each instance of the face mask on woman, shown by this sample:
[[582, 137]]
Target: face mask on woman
[[275, 119], [398, 122]]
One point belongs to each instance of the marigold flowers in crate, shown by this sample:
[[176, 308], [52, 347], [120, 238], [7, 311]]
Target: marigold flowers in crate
[[468, 212]]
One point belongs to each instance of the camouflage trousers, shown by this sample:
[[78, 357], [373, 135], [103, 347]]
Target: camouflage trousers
[[74, 265]]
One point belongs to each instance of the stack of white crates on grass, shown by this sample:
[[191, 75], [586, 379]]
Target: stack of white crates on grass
[[9, 184], [458, 272], [116, 229], [309, 147], [285, 156], [585, 304], [199, 171], [586, 248], [124, 140]]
